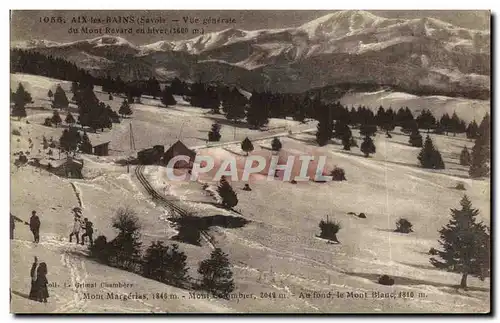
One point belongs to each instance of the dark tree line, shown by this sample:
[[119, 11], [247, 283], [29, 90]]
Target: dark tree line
[[163, 263]]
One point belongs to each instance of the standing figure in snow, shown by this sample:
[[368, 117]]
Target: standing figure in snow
[[33, 290], [77, 225], [88, 231], [35, 226], [42, 293]]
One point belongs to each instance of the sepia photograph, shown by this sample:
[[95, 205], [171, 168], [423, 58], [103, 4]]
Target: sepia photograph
[[250, 162]]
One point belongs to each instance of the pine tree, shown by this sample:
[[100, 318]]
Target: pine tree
[[341, 129], [233, 104], [445, 122], [367, 146], [465, 244], [165, 264], [69, 119], [167, 98], [50, 94], [480, 156], [257, 111], [214, 133], [60, 99], [454, 124], [429, 156], [472, 130], [346, 141], [56, 118], [329, 230], [126, 246], [125, 109], [20, 99], [246, 145], [69, 140], [415, 138], [367, 130], [426, 120], [276, 144], [465, 157], [216, 273], [227, 194], [86, 145], [439, 129], [389, 122]]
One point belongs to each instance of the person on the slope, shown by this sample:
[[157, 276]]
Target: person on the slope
[[42, 293], [35, 226], [89, 230], [77, 225], [33, 290]]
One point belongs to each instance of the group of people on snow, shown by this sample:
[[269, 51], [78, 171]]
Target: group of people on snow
[[38, 274]]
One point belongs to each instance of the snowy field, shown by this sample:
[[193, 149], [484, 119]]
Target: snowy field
[[277, 251]]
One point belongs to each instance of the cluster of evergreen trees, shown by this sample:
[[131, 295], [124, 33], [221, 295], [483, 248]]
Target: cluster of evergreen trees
[[93, 113], [166, 264]]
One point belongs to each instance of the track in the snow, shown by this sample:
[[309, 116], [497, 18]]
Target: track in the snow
[[162, 200]]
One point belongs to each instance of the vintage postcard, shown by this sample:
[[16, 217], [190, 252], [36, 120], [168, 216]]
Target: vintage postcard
[[320, 161]]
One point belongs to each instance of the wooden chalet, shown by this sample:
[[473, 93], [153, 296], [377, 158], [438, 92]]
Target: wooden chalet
[[179, 149]]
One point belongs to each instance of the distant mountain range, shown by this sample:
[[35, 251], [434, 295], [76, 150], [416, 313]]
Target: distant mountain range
[[422, 56]]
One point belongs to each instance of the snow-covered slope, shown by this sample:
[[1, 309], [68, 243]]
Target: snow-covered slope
[[277, 251]]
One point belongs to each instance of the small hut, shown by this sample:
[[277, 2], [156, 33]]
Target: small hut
[[151, 156], [101, 148], [179, 149], [67, 167]]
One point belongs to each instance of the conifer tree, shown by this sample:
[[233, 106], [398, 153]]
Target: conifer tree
[[415, 138], [20, 99], [367, 146], [69, 119], [216, 273], [126, 246], [465, 157], [480, 156], [426, 120], [246, 145], [227, 194], [465, 244], [69, 140], [165, 264], [429, 156], [347, 141], [472, 130], [445, 122], [439, 129], [341, 129], [233, 104], [257, 111], [60, 99], [125, 109], [388, 123], [167, 98], [56, 118], [367, 130], [454, 124], [214, 133], [276, 144], [86, 145]]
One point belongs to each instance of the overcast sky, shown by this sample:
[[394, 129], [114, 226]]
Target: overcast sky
[[26, 25]]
